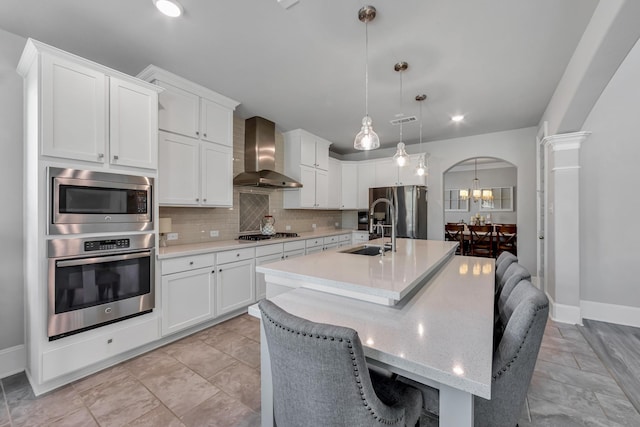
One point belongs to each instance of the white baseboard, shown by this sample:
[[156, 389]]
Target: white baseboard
[[12, 360], [564, 313], [611, 313]]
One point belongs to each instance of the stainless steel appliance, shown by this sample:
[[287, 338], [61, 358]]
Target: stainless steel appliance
[[94, 281], [410, 202], [363, 220], [92, 202]]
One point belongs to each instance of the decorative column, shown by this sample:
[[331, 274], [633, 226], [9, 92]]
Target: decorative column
[[563, 225]]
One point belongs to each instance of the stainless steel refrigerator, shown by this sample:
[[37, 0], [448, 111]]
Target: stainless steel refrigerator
[[410, 202]]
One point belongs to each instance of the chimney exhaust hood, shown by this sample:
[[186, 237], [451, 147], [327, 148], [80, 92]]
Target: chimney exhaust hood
[[260, 157]]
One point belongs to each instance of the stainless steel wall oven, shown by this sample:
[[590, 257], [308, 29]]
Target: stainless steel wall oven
[[98, 280], [93, 202]]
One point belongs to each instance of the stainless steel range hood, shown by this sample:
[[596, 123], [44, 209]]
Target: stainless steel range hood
[[260, 157]]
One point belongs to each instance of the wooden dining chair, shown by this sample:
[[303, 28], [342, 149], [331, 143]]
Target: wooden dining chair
[[454, 232], [507, 238], [481, 240]]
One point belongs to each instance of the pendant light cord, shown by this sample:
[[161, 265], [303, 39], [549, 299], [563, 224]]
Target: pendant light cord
[[401, 113], [366, 69]]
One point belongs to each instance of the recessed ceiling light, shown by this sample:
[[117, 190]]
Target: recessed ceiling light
[[169, 7], [457, 118]]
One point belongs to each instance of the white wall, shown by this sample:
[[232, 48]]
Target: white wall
[[11, 302], [609, 191]]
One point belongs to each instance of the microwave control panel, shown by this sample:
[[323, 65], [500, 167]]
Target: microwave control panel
[[104, 245]]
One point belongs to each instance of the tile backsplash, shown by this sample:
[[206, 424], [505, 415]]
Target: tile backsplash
[[253, 207], [194, 225]]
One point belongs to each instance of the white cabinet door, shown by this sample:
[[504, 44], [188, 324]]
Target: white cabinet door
[[308, 190], [366, 179], [334, 187], [322, 189], [217, 175], [187, 299], [322, 154], [349, 186], [307, 149], [386, 173], [74, 111], [216, 123], [261, 284], [178, 110], [178, 170], [235, 287], [133, 125]]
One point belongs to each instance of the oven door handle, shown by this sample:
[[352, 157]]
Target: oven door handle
[[95, 260]]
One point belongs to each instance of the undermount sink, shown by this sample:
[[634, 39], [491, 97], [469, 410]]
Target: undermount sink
[[368, 250]]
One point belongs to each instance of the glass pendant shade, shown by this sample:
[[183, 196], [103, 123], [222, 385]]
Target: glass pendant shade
[[476, 193], [401, 157], [366, 139], [464, 194], [487, 195], [421, 169]]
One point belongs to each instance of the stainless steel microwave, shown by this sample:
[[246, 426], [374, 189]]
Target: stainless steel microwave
[[93, 202]]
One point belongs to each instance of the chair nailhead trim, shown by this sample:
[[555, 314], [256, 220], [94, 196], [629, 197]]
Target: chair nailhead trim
[[510, 362], [356, 372]]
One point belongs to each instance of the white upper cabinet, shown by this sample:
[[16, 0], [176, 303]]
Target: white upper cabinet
[[216, 123], [192, 110], [307, 160], [178, 110], [335, 184], [89, 112], [366, 180], [133, 124], [388, 173], [196, 145], [74, 114], [194, 173], [349, 186]]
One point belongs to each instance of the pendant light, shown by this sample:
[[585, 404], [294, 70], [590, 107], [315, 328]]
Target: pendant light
[[401, 157], [366, 139], [421, 169], [476, 193]]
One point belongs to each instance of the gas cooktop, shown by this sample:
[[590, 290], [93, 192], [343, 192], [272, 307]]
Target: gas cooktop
[[256, 237]]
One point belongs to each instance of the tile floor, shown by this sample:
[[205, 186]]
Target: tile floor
[[212, 378]]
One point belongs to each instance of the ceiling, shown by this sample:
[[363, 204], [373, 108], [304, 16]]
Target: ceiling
[[496, 62]]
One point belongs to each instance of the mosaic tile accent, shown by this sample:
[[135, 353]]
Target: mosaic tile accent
[[253, 207]]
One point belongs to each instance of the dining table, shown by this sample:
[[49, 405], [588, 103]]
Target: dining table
[[439, 334]]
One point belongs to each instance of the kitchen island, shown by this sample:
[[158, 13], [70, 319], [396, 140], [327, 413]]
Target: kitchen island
[[383, 279], [439, 333]]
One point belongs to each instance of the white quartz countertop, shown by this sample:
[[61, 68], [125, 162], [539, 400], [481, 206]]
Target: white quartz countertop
[[223, 245], [442, 332], [383, 279]]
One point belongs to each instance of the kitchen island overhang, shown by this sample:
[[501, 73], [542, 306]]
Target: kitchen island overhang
[[382, 279]]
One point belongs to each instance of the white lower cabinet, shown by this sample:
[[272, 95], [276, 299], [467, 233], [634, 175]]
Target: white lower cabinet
[[264, 255], [235, 287], [93, 347], [188, 291], [187, 299]]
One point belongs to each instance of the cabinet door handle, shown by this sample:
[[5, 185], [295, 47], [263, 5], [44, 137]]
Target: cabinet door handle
[[220, 271], [204, 200], [101, 155], [197, 133], [190, 262], [115, 157], [237, 254], [213, 272], [205, 135], [197, 199]]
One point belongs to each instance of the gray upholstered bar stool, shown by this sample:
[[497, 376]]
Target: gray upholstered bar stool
[[505, 259], [524, 318], [320, 377]]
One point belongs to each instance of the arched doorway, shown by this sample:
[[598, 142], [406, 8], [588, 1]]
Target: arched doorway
[[497, 181]]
